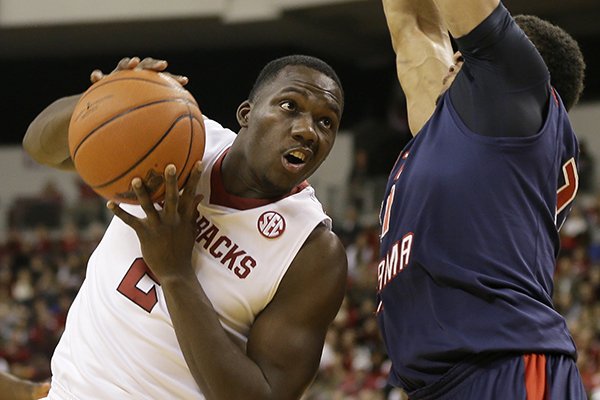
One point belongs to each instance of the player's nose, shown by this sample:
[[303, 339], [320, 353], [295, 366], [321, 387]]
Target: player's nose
[[303, 129]]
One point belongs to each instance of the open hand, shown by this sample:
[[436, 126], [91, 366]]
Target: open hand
[[166, 235], [135, 63]]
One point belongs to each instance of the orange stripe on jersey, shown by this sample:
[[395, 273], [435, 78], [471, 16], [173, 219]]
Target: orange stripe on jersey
[[554, 96], [535, 376]]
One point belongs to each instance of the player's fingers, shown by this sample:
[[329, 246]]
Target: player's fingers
[[181, 79], [457, 57], [144, 199], [153, 64], [127, 63], [96, 75], [123, 215], [189, 191], [171, 191]]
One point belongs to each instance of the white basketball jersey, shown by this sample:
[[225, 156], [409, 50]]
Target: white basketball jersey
[[119, 341]]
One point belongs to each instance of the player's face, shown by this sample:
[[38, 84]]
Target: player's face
[[290, 127]]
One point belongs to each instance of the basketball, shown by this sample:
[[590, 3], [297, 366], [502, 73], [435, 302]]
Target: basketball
[[133, 123]]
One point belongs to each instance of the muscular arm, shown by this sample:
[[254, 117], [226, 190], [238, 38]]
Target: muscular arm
[[14, 388], [423, 54], [46, 139], [462, 16], [286, 340]]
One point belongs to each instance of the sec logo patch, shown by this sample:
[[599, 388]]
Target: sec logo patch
[[271, 224]]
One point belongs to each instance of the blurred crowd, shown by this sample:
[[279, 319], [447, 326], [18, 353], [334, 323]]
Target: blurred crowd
[[42, 268]]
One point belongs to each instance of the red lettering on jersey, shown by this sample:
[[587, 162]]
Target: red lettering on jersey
[[245, 267], [221, 240], [223, 249], [231, 256], [389, 202], [208, 235], [567, 192], [202, 224], [271, 224], [128, 286], [395, 260]]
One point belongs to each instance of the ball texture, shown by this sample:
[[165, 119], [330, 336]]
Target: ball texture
[[133, 123]]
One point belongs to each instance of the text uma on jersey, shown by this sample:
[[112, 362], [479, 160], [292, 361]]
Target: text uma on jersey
[[395, 260]]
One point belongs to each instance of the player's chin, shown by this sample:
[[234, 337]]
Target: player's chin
[[284, 182]]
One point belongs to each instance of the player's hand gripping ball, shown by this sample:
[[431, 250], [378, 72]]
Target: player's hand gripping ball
[[133, 123]]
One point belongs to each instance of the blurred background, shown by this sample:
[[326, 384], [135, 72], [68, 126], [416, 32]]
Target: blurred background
[[50, 221]]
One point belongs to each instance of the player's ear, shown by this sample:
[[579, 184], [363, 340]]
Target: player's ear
[[243, 112]]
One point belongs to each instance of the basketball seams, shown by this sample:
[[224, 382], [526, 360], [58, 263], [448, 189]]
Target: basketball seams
[[143, 157], [102, 83], [137, 123], [186, 101], [190, 147]]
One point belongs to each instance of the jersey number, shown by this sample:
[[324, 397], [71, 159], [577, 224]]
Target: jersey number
[[567, 192], [385, 224], [128, 286]]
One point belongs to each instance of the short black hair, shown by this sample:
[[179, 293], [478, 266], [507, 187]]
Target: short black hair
[[560, 52], [270, 71]]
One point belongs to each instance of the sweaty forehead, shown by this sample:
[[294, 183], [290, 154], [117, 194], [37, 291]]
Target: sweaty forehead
[[307, 78]]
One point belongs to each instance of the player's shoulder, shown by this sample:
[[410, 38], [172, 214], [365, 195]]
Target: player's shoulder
[[213, 127], [318, 273], [217, 138], [323, 249]]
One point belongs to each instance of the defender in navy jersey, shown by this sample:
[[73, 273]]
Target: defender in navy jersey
[[473, 206]]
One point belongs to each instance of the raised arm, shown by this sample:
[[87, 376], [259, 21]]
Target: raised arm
[[423, 54], [46, 139], [462, 16]]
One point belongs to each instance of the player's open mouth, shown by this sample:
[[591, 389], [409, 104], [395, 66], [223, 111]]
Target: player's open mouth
[[295, 160]]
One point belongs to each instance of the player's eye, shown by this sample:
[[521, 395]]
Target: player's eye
[[327, 123], [288, 105]]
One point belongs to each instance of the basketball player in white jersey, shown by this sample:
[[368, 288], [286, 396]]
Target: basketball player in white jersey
[[227, 290]]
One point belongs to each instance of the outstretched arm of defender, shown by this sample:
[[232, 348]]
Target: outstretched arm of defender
[[423, 54], [462, 16]]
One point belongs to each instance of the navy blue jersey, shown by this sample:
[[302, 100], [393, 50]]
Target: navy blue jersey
[[469, 241]]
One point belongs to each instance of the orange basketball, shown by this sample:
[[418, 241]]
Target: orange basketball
[[133, 123]]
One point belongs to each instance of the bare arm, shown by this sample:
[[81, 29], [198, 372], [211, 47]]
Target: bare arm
[[14, 388], [294, 325], [423, 54], [46, 139], [462, 16], [286, 340]]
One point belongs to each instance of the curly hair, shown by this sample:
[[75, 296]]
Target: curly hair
[[560, 52]]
